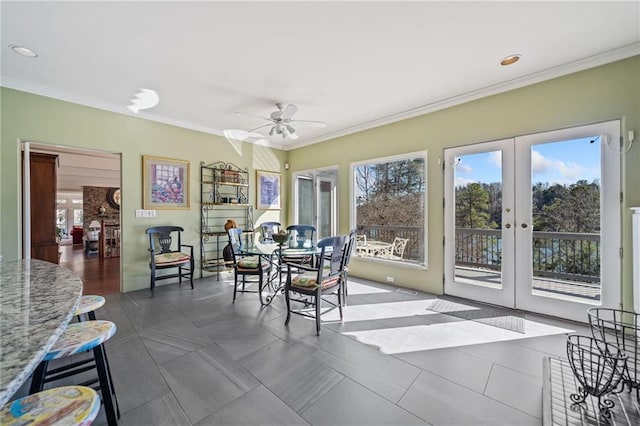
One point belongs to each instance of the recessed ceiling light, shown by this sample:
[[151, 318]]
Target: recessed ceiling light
[[511, 59], [144, 99], [23, 51]]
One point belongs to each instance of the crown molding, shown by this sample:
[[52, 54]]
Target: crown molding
[[49, 92], [548, 74], [559, 71]]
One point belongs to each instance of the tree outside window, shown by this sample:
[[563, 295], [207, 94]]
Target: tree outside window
[[390, 207]]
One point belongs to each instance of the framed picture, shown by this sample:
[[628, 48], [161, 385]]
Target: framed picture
[[267, 190], [165, 183]]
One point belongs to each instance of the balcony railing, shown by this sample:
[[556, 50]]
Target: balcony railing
[[568, 256], [560, 255]]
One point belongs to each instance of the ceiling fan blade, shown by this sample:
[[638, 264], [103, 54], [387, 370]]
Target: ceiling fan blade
[[253, 115], [260, 127], [309, 123], [288, 112]]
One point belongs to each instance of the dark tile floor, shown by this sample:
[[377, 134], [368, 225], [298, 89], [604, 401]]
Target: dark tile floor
[[192, 357]]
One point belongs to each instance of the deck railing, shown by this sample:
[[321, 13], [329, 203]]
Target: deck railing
[[561, 255], [568, 256]]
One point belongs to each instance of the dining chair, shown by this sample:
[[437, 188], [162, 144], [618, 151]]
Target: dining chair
[[351, 243], [267, 229], [396, 250], [165, 248], [245, 265], [311, 286], [300, 236]]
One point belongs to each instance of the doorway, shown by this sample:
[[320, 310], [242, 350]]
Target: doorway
[[315, 200], [87, 218], [533, 222]]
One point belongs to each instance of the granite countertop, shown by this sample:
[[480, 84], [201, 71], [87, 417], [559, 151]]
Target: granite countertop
[[37, 300]]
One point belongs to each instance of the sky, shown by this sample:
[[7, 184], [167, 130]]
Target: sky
[[563, 162]]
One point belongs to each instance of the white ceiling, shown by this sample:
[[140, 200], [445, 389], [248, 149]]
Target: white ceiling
[[353, 65], [78, 168]]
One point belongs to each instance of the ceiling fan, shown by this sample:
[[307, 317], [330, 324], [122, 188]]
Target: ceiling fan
[[282, 123]]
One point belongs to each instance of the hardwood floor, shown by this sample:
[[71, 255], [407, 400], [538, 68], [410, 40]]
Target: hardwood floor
[[99, 276]]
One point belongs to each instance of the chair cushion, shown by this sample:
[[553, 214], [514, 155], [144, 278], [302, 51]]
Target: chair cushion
[[89, 303], [80, 337], [308, 280], [251, 263], [68, 405], [174, 258]]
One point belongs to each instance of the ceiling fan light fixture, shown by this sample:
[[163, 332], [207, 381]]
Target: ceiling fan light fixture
[[290, 128], [285, 131]]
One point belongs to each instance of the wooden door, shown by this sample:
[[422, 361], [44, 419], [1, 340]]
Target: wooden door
[[43, 207]]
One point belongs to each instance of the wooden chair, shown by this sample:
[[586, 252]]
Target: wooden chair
[[351, 243], [396, 251], [165, 247], [244, 265], [302, 236], [313, 283], [267, 229]]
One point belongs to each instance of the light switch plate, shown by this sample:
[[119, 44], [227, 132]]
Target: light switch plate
[[145, 213]]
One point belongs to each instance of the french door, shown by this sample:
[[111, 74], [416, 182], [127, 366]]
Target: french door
[[533, 222], [315, 200]]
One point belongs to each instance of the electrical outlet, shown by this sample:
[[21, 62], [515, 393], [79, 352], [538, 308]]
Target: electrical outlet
[[390, 279]]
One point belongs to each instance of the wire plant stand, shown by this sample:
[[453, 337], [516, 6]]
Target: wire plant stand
[[621, 328], [598, 366]]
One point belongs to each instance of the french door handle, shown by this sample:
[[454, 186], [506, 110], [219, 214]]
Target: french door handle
[[524, 225], [508, 225]]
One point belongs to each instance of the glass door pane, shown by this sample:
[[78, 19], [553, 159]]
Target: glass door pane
[[478, 218], [479, 222], [565, 205], [305, 201], [326, 208]]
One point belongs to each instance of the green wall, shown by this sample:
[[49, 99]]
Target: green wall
[[39, 119], [600, 94]]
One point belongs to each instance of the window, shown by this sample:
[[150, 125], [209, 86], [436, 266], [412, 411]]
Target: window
[[77, 216], [389, 208], [61, 222]]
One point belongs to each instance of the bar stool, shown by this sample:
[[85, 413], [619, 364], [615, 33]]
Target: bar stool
[[67, 405], [81, 337], [88, 304]]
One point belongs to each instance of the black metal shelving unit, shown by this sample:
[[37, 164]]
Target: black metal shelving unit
[[224, 195]]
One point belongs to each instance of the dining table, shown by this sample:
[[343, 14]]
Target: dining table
[[274, 253], [37, 301]]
